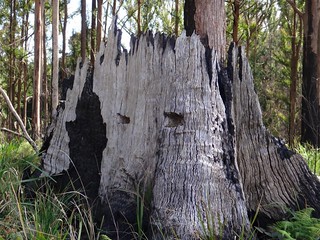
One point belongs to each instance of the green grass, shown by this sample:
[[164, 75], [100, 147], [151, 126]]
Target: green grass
[[49, 215], [311, 155], [67, 215]]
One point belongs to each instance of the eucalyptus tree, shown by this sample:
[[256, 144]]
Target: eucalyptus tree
[[99, 23], [55, 55], [83, 30], [38, 50], [164, 16], [63, 13], [310, 131], [291, 27], [310, 126], [14, 21], [93, 46]]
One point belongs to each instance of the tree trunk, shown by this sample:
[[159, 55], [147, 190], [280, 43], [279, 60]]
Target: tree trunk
[[114, 7], [12, 60], [294, 64], [64, 41], [310, 129], [93, 31], [55, 56], [99, 24], [37, 70], [165, 121], [236, 16], [83, 30], [44, 98], [177, 19], [25, 66], [139, 18], [210, 24]]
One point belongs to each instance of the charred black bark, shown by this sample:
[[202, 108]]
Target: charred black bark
[[87, 141], [189, 12], [310, 122]]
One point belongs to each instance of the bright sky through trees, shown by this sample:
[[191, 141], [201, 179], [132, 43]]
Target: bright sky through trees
[[75, 26]]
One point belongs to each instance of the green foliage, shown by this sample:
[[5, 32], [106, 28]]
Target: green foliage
[[155, 15], [49, 215], [212, 228], [300, 226], [311, 155], [265, 29], [208, 225]]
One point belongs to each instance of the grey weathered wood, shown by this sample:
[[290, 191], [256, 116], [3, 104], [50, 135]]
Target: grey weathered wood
[[274, 178], [57, 159], [177, 125]]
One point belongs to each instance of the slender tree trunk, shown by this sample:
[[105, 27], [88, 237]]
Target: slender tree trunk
[[44, 98], [36, 126], [139, 18], [12, 61], [114, 7], [310, 128], [235, 26], [295, 55], [99, 24], [106, 23], [25, 68], [83, 30], [64, 41], [55, 56], [177, 19], [25, 85], [93, 32], [21, 63]]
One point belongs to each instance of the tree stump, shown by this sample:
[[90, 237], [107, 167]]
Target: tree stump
[[166, 126]]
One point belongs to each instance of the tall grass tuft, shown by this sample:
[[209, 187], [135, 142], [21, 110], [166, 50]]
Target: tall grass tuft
[[50, 215], [311, 155]]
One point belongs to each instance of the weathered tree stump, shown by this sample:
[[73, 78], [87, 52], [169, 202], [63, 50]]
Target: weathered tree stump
[[167, 124]]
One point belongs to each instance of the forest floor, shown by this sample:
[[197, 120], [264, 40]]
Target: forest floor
[[66, 215]]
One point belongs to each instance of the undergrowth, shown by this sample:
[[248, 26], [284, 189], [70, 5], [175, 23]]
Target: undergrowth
[[67, 215], [49, 215], [300, 226], [311, 155]]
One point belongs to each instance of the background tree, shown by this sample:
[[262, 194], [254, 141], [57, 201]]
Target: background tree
[[93, 31], [44, 97], [295, 22], [83, 30], [36, 122], [177, 19], [64, 23], [310, 131], [55, 56], [156, 15], [12, 59], [99, 23]]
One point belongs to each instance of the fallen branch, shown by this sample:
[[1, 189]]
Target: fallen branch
[[24, 130], [13, 132]]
